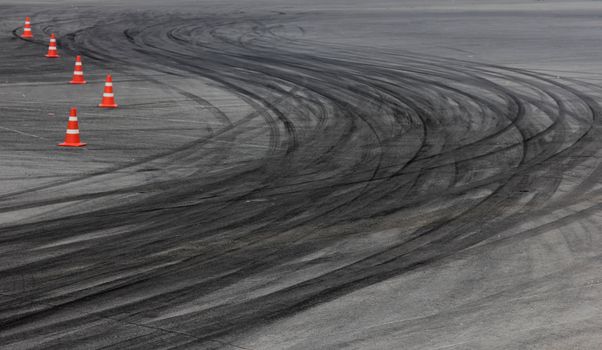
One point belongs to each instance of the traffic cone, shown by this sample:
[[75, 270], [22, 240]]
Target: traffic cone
[[108, 98], [72, 135], [27, 29], [52, 48], [78, 72]]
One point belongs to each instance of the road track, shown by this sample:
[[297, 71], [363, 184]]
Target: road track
[[272, 212]]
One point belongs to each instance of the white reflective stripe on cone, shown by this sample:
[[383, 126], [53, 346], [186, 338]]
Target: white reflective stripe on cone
[[72, 132], [107, 95], [53, 40], [72, 119], [27, 22], [108, 84], [27, 29], [78, 73], [78, 63], [52, 48]]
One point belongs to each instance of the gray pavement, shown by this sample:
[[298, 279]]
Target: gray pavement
[[324, 175]]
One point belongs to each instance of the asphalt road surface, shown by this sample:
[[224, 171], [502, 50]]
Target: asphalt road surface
[[323, 175]]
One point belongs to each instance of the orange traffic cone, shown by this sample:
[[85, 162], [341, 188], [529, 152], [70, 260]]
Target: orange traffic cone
[[78, 72], [108, 98], [52, 48], [72, 135], [27, 29]]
